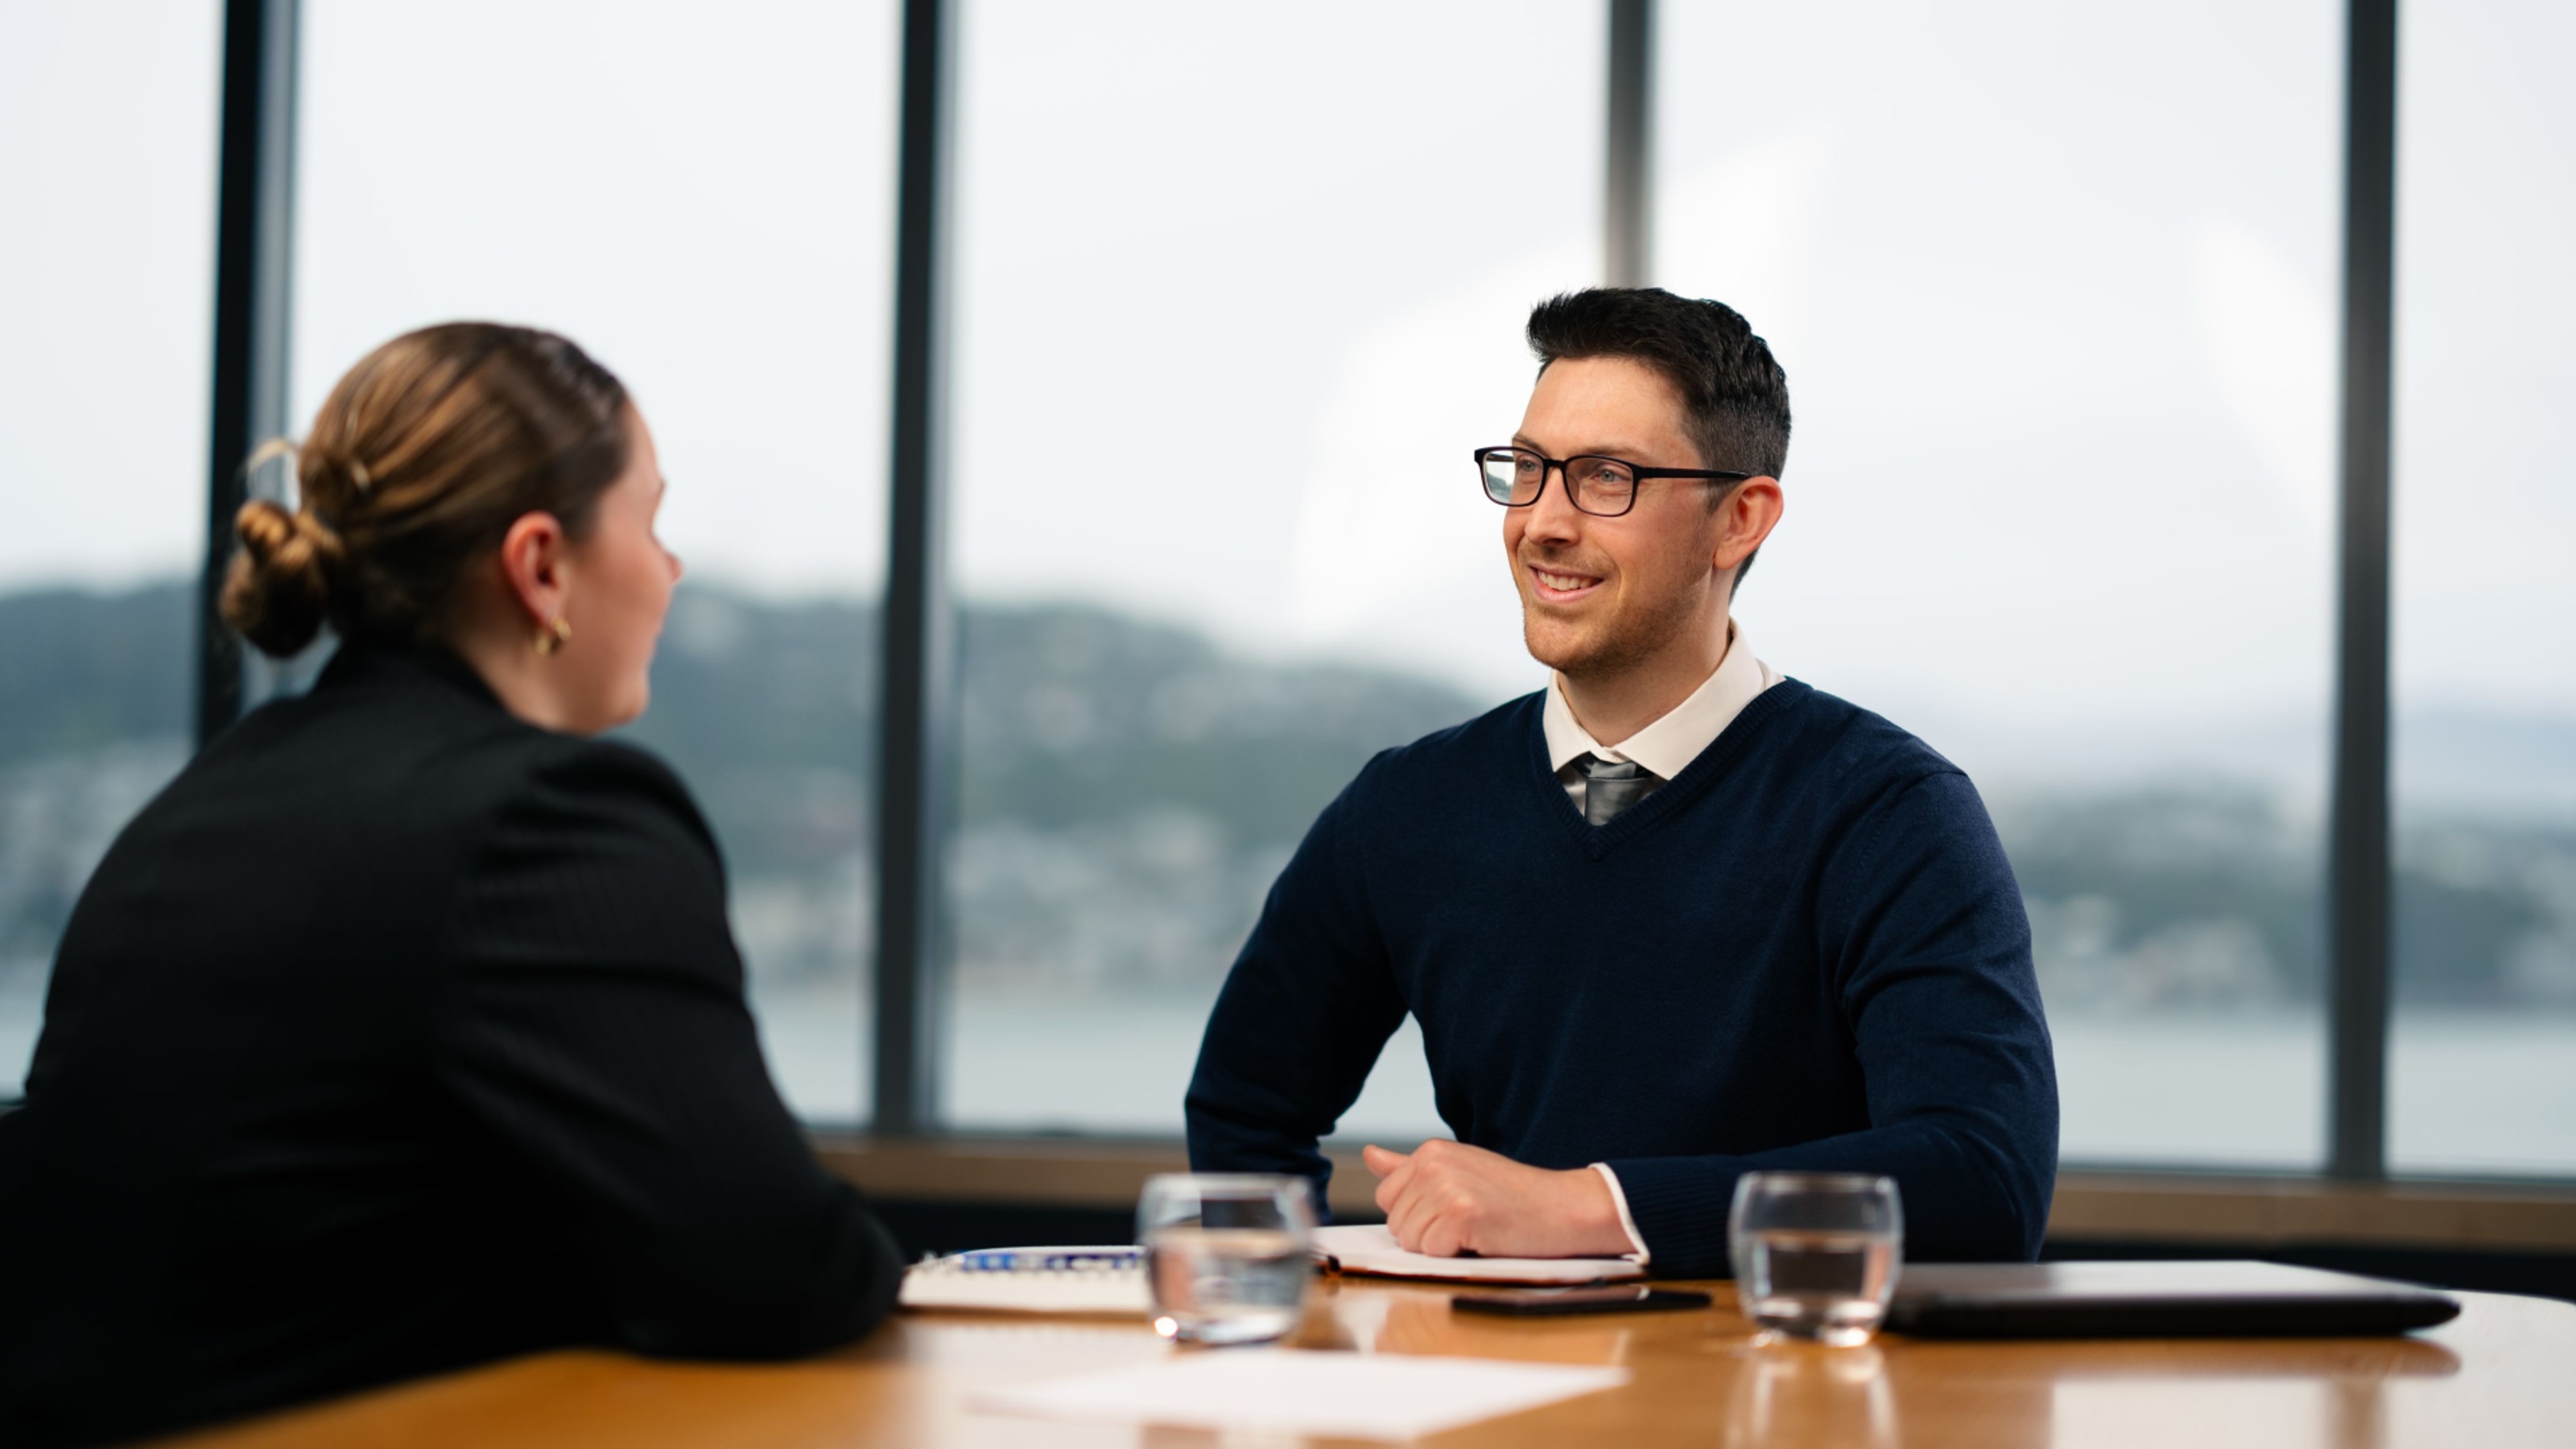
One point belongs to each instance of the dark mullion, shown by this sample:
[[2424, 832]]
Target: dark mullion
[[2358, 871], [1628, 177], [254, 230], [914, 733]]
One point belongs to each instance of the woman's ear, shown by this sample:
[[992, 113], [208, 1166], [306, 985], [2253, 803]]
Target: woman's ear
[[535, 564]]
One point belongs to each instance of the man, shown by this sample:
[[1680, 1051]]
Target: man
[[1674, 918]]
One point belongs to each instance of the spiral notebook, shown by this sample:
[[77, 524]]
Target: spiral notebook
[[1100, 1280]]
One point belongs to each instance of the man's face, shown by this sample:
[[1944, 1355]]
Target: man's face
[[1599, 595]]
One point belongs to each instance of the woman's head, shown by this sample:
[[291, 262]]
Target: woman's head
[[491, 488]]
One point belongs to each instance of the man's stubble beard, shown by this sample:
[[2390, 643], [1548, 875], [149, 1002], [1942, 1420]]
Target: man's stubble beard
[[1612, 645]]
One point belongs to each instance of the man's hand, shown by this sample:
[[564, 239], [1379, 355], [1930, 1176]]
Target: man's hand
[[1446, 1198]]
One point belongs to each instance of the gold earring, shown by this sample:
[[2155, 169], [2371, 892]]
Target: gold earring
[[556, 634]]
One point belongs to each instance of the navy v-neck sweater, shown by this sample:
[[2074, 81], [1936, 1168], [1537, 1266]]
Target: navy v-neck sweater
[[1804, 951]]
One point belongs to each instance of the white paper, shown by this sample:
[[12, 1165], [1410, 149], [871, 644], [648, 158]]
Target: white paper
[[1370, 1248], [1298, 1391]]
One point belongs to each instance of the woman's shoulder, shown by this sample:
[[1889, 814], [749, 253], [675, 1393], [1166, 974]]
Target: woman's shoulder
[[421, 724], [595, 854], [414, 767], [565, 782]]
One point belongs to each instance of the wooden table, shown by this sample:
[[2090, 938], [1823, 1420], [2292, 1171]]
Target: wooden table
[[2503, 1373]]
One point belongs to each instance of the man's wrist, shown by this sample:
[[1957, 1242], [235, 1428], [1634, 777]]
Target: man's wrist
[[1626, 1223]]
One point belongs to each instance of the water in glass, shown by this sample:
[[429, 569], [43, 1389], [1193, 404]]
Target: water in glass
[[1227, 1286], [1228, 1257], [1831, 1287], [1816, 1254]]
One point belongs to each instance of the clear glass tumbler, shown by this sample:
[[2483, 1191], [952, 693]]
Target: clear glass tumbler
[[1229, 1256], [1816, 1253]]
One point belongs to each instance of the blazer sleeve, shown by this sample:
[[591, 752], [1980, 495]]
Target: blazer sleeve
[[1927, 942], [596, 1028], [1307, 1008]]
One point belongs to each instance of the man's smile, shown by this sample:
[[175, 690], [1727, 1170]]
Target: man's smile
[[1557, 586]]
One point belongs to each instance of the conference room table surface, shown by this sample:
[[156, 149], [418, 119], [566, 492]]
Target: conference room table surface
[[2502, 1373]]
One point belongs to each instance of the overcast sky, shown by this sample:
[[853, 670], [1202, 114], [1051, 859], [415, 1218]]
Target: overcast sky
[[1238, 288]]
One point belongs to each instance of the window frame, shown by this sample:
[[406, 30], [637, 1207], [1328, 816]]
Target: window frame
[[254, 275]]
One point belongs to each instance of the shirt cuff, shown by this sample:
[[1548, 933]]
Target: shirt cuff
[[1627, 1224]]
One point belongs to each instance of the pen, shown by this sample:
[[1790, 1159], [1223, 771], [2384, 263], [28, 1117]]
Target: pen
[[1023, 1260]]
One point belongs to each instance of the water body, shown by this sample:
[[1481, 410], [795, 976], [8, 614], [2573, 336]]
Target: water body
[[2472, 1093]]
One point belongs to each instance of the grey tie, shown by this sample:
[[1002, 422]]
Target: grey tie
[[1610, 788]]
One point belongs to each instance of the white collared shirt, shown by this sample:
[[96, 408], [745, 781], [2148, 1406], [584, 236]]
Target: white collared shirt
[[1664, 748], [1668, 745]]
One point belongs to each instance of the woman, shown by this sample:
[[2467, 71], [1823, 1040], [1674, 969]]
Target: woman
[[405, 1030]]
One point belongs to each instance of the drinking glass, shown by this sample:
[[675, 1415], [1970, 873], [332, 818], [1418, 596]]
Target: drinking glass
[[1229, 1255], [1816, 1253]]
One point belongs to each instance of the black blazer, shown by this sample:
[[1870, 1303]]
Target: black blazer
[[396, 1035]]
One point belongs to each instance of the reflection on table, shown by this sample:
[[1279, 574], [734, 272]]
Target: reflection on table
[[2495, 1376]]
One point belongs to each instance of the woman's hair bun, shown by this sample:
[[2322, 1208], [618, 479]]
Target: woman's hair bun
[[417, 464], [278, 591]]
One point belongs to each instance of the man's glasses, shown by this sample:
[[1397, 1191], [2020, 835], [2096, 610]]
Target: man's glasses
[[1604, 487]]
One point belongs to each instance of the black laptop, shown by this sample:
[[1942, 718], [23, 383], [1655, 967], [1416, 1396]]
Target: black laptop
[[2154, 1300]]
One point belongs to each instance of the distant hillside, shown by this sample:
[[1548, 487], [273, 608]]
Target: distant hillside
[[79, 670], [1075, 713], [1069, 714], [1126, 790]]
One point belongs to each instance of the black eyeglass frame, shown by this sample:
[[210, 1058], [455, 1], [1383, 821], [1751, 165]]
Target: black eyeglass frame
[[1637, 473]]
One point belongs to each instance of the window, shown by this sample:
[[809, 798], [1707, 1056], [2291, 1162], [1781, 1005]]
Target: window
[[2483, 1068], [2054, 286], [1234, 291], [1237, 290], [706, 203], [107, 136]]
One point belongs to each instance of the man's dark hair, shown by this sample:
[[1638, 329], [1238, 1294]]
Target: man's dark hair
[[1735, 397]]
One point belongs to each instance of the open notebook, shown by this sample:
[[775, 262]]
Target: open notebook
[[1370, 1248]]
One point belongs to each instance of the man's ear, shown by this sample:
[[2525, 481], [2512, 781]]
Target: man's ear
[[534, 565], [1746, 517]]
